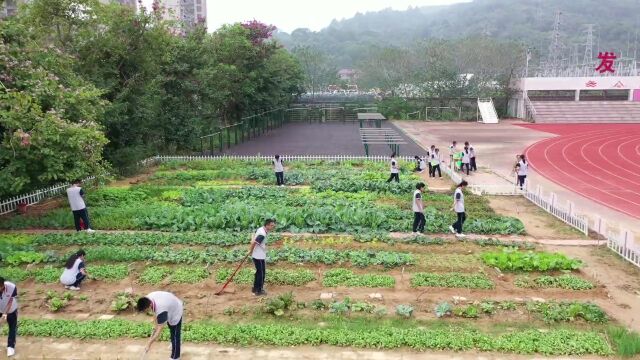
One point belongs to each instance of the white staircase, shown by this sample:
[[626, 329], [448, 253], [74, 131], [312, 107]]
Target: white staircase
[[587, 111], [487, 111]]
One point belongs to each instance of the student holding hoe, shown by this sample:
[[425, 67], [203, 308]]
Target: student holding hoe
[[258, 251]]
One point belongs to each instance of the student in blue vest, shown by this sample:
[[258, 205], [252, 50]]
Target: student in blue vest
[[167, 308], [9, 312], [258, 251]]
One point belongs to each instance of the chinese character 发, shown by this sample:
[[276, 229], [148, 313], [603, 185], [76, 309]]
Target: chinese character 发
[[606, 62]]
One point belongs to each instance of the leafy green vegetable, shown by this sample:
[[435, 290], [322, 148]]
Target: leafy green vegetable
[[378, 336], [566, 281], [452, 280], [345, 277], [274, 276], [189, 275], [512, 260]]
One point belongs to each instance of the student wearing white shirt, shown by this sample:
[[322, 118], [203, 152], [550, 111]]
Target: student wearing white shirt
[[466, 159], [167, 308], [522, 170], [458, 207], [472, 157], [432, 149], [258, 251], [76, 201], [418, 209], [9, 311], [417, 158], [420, 163], [278, 167], [435, 163], [395, 169], [453, 150], [74, 271]]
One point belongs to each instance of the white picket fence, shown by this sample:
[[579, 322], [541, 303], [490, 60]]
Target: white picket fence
[[11, 204], [164, 158], [623, 243], [550, 205]]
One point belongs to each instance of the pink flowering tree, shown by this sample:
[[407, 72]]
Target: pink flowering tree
[[258, 32]]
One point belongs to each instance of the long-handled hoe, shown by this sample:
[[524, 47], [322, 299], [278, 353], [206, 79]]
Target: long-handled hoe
[[232, 275]]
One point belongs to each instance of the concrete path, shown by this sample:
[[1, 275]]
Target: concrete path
[[63, 349], [331, 138]]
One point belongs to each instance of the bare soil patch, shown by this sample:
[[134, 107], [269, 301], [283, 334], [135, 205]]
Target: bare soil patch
[[537, 222]]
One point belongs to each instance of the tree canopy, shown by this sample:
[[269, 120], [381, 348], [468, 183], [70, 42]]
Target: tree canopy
[[86, 86]]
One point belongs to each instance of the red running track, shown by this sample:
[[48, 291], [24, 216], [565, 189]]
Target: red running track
[[598, 161]]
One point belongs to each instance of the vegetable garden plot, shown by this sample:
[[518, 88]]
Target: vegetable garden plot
[[205, 231], [343, 198]]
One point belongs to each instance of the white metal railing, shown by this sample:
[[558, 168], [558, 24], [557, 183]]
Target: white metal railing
[[566, 214], [164, 158], [495, 189], [451, 173], [529, 109], [624, 245]]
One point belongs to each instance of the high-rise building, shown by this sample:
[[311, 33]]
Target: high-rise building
[[188, 12], [8, 8], [132, 3]]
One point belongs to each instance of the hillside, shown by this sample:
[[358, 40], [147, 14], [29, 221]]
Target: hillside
[[529, 21]]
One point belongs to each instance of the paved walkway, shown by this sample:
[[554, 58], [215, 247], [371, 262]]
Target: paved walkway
[[62, 349], [331, 138]]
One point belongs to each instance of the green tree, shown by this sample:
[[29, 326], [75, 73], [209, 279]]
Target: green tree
[[317, 66], [48, 116]]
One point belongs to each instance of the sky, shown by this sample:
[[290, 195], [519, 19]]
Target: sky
[[289, 15]]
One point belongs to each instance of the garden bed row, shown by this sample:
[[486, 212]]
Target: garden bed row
[[381, 335]]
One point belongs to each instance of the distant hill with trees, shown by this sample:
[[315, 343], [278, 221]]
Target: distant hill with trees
[[529, 22]]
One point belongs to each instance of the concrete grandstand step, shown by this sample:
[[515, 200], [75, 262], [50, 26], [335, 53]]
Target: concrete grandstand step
[[587, 111]]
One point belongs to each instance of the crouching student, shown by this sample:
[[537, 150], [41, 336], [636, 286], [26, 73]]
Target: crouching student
[[74, 271]]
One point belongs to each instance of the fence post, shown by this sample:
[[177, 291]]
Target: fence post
[[598, 225], [570, 207], [552, 199]]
